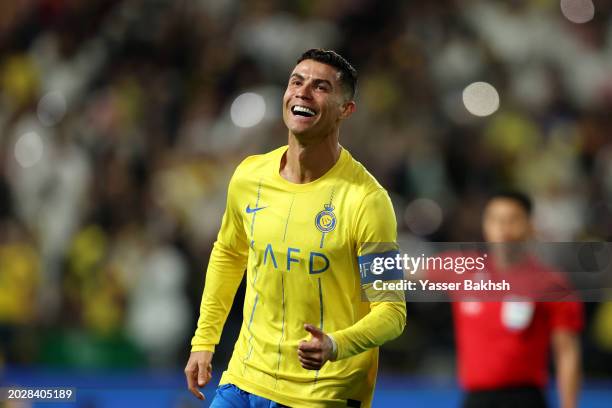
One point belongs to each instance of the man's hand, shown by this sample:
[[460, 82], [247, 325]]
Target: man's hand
[[315, 352], [198, 371]]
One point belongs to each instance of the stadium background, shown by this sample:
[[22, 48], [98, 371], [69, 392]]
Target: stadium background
[[121, 122]]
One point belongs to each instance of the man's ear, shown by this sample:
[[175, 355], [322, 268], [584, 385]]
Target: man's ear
[[347, 109]]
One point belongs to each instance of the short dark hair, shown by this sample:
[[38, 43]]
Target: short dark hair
[[348, 74], [518, 197]]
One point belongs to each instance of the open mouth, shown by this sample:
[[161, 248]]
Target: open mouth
[[303, 111]]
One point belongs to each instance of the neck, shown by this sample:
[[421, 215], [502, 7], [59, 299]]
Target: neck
[[306, 162], [509, 254]]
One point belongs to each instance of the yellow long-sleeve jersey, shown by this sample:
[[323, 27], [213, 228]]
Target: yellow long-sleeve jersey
[[300, 245]]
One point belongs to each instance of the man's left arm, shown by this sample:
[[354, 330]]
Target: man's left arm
[[566, 349], [375, 232], [374, 224], [384, 322], [567, 320]]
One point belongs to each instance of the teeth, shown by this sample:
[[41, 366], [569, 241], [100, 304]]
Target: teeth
[[303, 109]]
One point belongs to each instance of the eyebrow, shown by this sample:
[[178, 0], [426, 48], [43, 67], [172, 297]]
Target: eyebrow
[[316, 81]]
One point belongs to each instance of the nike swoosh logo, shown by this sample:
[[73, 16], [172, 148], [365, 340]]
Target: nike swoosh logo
[[250, 210]]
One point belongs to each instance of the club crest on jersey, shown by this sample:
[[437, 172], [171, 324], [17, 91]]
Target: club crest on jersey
[[326, 219]]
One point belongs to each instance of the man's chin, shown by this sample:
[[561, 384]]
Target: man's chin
[[301, 131]]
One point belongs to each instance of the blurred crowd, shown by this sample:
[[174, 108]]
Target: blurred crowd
[[120, 127]]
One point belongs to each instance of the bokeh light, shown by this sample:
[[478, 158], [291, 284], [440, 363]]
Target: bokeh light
[[481, 99], [51, 108], [248, 110], [578, 11], [28, 149], [423, 216]]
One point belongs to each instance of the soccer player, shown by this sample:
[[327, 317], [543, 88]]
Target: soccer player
[[295, 219], [503, 347]]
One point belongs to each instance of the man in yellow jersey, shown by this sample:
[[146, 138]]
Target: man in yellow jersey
[[296, 219]]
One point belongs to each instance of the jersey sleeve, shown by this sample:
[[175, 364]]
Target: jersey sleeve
[[375, 231], [225, 271], [567, 315]]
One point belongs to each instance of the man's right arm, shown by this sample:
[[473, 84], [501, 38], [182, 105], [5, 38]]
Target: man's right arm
[[225, 271]]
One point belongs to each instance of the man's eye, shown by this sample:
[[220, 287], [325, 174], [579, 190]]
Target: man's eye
[[322, 88]]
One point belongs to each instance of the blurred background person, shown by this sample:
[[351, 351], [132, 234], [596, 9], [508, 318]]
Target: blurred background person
[[503, 347]]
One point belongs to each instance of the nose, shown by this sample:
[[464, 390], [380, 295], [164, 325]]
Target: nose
[[304, 92]]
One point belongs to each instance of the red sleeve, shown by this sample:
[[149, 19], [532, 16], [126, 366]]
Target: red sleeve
[[567, 316]]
